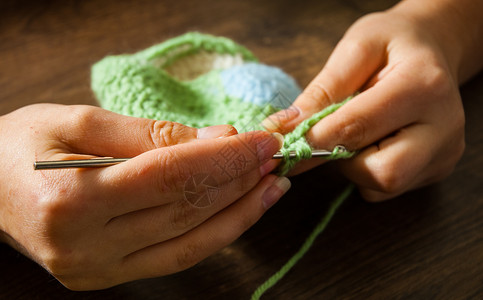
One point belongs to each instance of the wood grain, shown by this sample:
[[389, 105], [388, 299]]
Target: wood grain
[[426, 244]]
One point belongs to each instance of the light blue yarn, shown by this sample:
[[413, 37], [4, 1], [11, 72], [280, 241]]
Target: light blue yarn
[[260, 84]]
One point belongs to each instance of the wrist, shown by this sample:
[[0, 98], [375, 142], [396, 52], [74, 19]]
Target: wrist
[[455, 27]]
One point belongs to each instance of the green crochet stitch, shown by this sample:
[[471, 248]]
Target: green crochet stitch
[[295, 140]]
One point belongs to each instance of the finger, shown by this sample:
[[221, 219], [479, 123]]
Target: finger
[[438, 173], [142, 228], [395, 165], [95, 131], [159, 176], [370, 116], [351, 64], [219, 231]]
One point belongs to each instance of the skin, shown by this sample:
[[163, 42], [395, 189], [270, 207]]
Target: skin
[[95, 228], [408, 119]]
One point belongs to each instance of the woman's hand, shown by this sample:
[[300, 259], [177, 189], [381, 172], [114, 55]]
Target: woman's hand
[[408, 120], [184, 195]]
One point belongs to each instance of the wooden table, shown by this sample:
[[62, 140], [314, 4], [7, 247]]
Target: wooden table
[[426, 244]]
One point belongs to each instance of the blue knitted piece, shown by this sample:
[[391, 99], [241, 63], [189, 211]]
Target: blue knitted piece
[[260, 84]]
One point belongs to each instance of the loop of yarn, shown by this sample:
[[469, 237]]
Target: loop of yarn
[[295, 141]]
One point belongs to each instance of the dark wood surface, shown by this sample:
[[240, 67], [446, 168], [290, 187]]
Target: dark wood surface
[[426, 244]]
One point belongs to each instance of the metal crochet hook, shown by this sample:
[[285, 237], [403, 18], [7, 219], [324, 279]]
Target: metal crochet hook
[[104, 162]]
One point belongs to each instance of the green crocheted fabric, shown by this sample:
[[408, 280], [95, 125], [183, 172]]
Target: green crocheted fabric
[[200, 80], [143, 85]]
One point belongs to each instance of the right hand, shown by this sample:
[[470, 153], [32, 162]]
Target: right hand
[[95, 228], [408, 119]]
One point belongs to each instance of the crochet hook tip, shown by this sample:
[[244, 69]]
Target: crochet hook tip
[[293, 154]]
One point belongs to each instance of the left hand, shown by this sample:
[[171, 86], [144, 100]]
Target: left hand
[[185, 194]]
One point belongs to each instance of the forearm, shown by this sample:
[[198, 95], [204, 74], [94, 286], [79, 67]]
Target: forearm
[[457, 26]]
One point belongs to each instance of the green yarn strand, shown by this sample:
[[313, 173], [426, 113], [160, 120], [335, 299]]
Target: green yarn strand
[[295, 141], [340, 152], [306, 245]]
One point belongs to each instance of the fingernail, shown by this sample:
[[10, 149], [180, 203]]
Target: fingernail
[[269, 146], [273, 122], [278, 188], [216, 131], [279, 138]]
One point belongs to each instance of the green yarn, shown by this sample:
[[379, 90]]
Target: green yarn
[[139, 85], [305, 246], [189, 43], [296, 141]]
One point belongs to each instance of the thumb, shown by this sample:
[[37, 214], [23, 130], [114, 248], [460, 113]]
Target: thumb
[[95, 131], [352, 63]]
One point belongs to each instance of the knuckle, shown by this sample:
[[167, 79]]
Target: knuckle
[[448, 167], [435, 81], [244, 223], [388, 180], [352, 132], [390, 183], [77, 269], [173, 174], [85, 117], [80, 120], [51, 210], [438, 81], [188, 256], [80, 270], [166, 133], [60, 200], [54, 236], [59, 262], [62, 261], [318, 94], [359, 46], [183, 215], [372, 19], [243, 184], [241, 223]]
